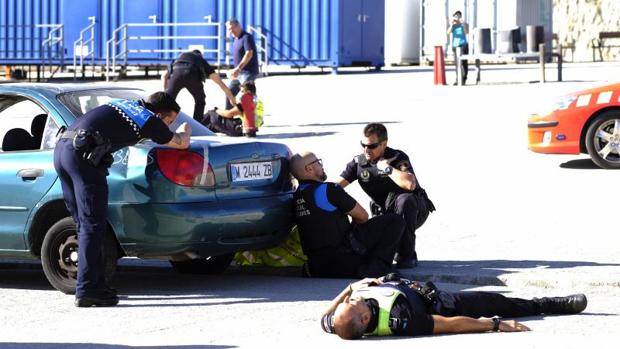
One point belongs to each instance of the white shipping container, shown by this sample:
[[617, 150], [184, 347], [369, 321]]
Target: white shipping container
[[402, 32], [494, 14]]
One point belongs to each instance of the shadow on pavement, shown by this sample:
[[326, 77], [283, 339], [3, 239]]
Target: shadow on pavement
[[488, 272], [144, 285], [104, 346], [580, 164]]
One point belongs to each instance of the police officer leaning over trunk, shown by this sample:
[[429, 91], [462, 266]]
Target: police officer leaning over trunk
[[82, 157], [386, 175], [392, 305], [190, 70]]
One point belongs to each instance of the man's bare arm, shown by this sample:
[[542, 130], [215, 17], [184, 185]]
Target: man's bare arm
[[464, 324], [215, 77], [181, 138], [359, 214], [342, 182]]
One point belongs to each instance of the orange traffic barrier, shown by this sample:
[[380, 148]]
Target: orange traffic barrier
[[439, 68]]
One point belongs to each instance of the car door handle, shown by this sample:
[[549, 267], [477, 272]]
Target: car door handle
[[30, 174]]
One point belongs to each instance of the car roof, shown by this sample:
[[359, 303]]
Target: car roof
[[56, 88]]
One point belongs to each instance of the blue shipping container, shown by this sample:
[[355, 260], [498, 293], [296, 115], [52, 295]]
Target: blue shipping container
[[329, 33]]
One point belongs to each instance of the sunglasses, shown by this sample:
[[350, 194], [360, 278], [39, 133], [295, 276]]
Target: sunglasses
[[320, 161], [371, 146]]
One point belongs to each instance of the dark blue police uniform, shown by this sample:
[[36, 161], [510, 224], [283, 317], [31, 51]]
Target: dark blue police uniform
[[85, 189], [414, 206], [336, 247], [243, 43], [190, 70], [411, 314]]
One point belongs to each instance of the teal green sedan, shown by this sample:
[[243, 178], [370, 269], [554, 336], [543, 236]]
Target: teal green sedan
[[195, 207]]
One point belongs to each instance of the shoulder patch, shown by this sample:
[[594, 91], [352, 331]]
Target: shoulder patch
[[320, 198]]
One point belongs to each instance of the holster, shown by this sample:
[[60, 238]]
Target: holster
[[93, 147]]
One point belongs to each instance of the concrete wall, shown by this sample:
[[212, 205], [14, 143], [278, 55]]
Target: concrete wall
[[577, 22]]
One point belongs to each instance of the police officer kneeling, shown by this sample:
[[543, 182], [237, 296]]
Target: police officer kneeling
[[386, 175], [81, 159], [336, 247], [395, 306]]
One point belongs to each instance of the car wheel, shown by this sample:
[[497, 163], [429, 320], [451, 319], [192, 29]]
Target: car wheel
[[59, 255], [603, 140], [210, 265]]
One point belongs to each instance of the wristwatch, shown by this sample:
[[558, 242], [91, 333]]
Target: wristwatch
[[496, 322], [388, 170]]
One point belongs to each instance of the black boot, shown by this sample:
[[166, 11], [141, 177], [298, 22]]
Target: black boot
[[572, 304]]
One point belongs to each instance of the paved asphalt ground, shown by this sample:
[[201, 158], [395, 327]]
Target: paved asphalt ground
[[507, 220]]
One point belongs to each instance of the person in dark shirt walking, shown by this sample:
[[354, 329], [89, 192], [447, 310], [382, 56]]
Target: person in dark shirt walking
[[245, 58]]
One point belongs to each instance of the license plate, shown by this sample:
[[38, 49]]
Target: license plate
[[251, 171]]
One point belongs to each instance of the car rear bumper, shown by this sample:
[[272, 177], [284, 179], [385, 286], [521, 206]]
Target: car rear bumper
[[202, 229]]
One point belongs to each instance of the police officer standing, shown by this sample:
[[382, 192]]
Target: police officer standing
[[81, 159], [244, 57], [190, 70], [395, 306], [334, 246], [386, 175]]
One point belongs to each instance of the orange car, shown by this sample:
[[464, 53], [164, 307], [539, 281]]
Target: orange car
[[582, 122]]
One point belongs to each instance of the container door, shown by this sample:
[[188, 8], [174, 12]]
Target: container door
[[351, 31], [373, 29], [75, 18]]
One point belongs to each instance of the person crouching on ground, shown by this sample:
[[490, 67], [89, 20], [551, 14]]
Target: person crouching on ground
[[242, 119]]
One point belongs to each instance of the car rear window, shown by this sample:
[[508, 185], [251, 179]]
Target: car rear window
[[80, 102]]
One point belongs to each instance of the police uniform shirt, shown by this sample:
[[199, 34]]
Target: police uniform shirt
[[378, 187], [242, 44], [408, 317], [113, 124], [321, 214], [194, 62]]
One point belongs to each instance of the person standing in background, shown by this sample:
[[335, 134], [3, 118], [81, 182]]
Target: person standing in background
[[459, 30]]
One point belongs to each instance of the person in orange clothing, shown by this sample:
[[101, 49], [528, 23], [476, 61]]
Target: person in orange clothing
[[242, 119]]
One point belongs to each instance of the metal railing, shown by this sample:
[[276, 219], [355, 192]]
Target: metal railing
[[262, 47], [26, 35], [54, 40], [85, 48], [120, 37]]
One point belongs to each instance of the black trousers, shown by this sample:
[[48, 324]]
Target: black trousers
[[185, 78], [483, 304], [368, 253], [412, 207], [230, 126], [85, 191], [464, 64]]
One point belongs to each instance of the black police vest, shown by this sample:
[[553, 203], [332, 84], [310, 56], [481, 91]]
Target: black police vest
[[379, 188], [321, 224]]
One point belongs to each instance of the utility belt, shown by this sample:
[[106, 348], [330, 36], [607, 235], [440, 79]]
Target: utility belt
[[92, 146], [432, 296]]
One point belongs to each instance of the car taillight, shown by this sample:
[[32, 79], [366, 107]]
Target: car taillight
[[185, 167]]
